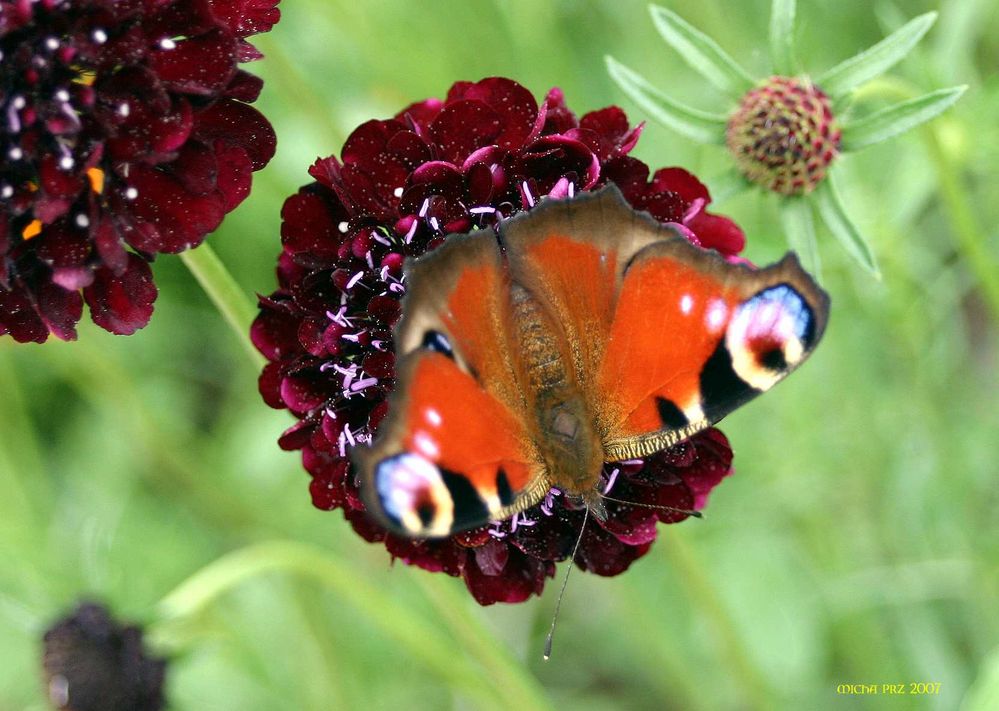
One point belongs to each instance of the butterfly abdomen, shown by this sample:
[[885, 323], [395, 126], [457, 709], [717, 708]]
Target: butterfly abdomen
[[563, 425]]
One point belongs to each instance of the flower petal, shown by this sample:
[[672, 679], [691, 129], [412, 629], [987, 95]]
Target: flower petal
[[122, 304]]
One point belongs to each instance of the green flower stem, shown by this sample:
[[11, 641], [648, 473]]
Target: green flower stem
[[418, 637], [701, 592], [521, 689], [226, 294], [972, 242]]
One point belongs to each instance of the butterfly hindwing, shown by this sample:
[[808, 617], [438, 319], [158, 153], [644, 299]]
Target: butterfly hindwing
[[453, 452]]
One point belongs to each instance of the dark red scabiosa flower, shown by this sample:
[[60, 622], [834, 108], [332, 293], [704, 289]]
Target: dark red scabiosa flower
[[125, 131], [91, 662], [400, 187]]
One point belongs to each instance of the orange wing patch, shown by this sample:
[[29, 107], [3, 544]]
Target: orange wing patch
[[577, 281], [461, 290], [669, 319], [451, 456], [451, 421]]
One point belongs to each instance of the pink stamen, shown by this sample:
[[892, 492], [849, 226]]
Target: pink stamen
[[339, 318], [547, 506], [482, 210], [353, 337], [527, 194], [519, 519], [353, 280], [610, 481], [412, 231], [695, 208], [363, 383]]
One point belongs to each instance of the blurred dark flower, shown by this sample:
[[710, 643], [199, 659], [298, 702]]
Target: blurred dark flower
[[93, 663], [483, 154], [124, 132]]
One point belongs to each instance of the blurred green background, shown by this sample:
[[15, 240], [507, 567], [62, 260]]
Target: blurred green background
[[858, 541]]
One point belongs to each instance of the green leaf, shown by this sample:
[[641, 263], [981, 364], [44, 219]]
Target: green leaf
[[875, 60], [698, 125], [898, 118], [799, 228], [835, 216], [701, 52], [782, 37]]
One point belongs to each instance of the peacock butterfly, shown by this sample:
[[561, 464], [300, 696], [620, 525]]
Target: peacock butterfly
[[577, 333]]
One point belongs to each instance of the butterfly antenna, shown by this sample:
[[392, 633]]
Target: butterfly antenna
[[687, 512], [558, 604]]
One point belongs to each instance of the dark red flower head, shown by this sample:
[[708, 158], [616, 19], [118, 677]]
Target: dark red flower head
[[93, 663], [400, 187], [124, 132]]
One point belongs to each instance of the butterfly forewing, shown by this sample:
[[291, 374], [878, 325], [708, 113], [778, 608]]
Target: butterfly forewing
[[453, 451]]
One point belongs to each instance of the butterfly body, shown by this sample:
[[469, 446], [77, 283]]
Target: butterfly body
[[563, 425], [582, 332]]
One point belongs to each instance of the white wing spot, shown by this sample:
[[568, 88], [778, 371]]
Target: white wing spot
[[433, 416], [717, 312], [426, 445], [686, 303]]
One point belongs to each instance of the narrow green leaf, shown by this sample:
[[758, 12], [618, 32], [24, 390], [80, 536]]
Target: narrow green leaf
[[898, 118], [799, 228], [232, 302], [701, 52], [877, 59], [421, 639], [698, 125], [835, 216], [782, 37]]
